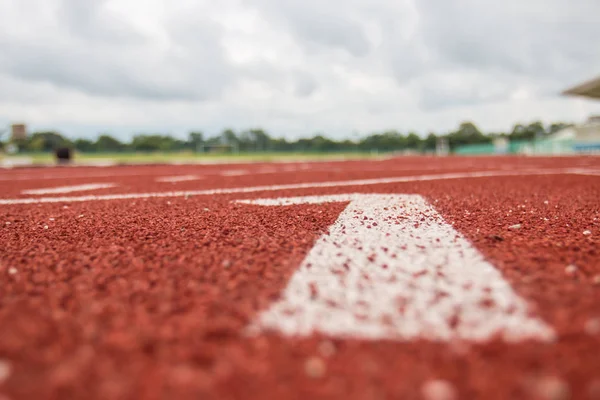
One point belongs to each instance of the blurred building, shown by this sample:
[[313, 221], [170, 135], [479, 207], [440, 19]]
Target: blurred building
[[589, 89], [18, 132], [585, 137], [442, 147], [576, 139]]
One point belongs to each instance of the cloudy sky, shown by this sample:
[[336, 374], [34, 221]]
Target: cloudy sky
[[293, 67]]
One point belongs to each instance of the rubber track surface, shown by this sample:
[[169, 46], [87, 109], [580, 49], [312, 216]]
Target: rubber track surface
[[149, 298]]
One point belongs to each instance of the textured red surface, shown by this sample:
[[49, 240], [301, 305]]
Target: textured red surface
[[147, 299], [133, 179]]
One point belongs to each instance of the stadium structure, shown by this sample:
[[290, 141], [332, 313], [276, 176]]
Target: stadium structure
[[577, 139], [589, 89]]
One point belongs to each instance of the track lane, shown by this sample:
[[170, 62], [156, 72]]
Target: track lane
[[115, 298]]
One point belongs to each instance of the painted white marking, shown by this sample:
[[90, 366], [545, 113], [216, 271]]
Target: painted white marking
[[235, 172], [308, 185], [391, 268], [69, 189], [105, 162], [16, 162], [179, 178], [69, 174], [588, 173], [267, 170]]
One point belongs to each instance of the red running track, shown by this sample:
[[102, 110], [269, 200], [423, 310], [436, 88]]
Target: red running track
[[151, 298]]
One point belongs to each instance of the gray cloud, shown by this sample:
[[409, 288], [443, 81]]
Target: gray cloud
[[290, 63], [330, 30], [101, 55], [305, 85], [299, 82], [319, 25], [544, 43], [89, 20], [443, 91]]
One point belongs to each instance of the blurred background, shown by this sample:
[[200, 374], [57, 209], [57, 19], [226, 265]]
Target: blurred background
[[157, 80]]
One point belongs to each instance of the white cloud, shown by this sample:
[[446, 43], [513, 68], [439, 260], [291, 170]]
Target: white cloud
[[293, 67]]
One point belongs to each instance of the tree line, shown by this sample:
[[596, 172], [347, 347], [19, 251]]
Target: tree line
[[258, 140]]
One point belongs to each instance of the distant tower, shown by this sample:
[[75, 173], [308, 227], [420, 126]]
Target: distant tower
[[18, 132], [441, 147], [501, 145]]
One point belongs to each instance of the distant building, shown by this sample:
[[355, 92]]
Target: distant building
[[442, 148], [594, 119], [18, 132], [590, 89], [501, 145], [576, 139], [585, 138]]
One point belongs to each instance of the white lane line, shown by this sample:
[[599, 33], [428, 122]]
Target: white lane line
[[308, 185], [87, 175], [97, 163], [70, 189], [16, 162], [178, 178], [235, 172], [390, 267], [293, 169], [267, 170], [588, 173]]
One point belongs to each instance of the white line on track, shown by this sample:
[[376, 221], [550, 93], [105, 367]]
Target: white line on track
[[178, 178], [308, 185], [267, 170], [390, 267], [235, 172], [70, 189], [133, 172], [589, 173], [66, 175]]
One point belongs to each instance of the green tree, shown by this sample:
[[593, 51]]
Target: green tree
[[3, 133], [390, 141], [348, 145], [84, 145], [319, 143], [467, 133], [260, 139], [156, 142], [413, 141], [108, 143], [195, 141], [430, 142], [37, 144], [370, 142], [45, 141], [228, 137], [537, 130], [282, 144], [557, 126], [528, 132]]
